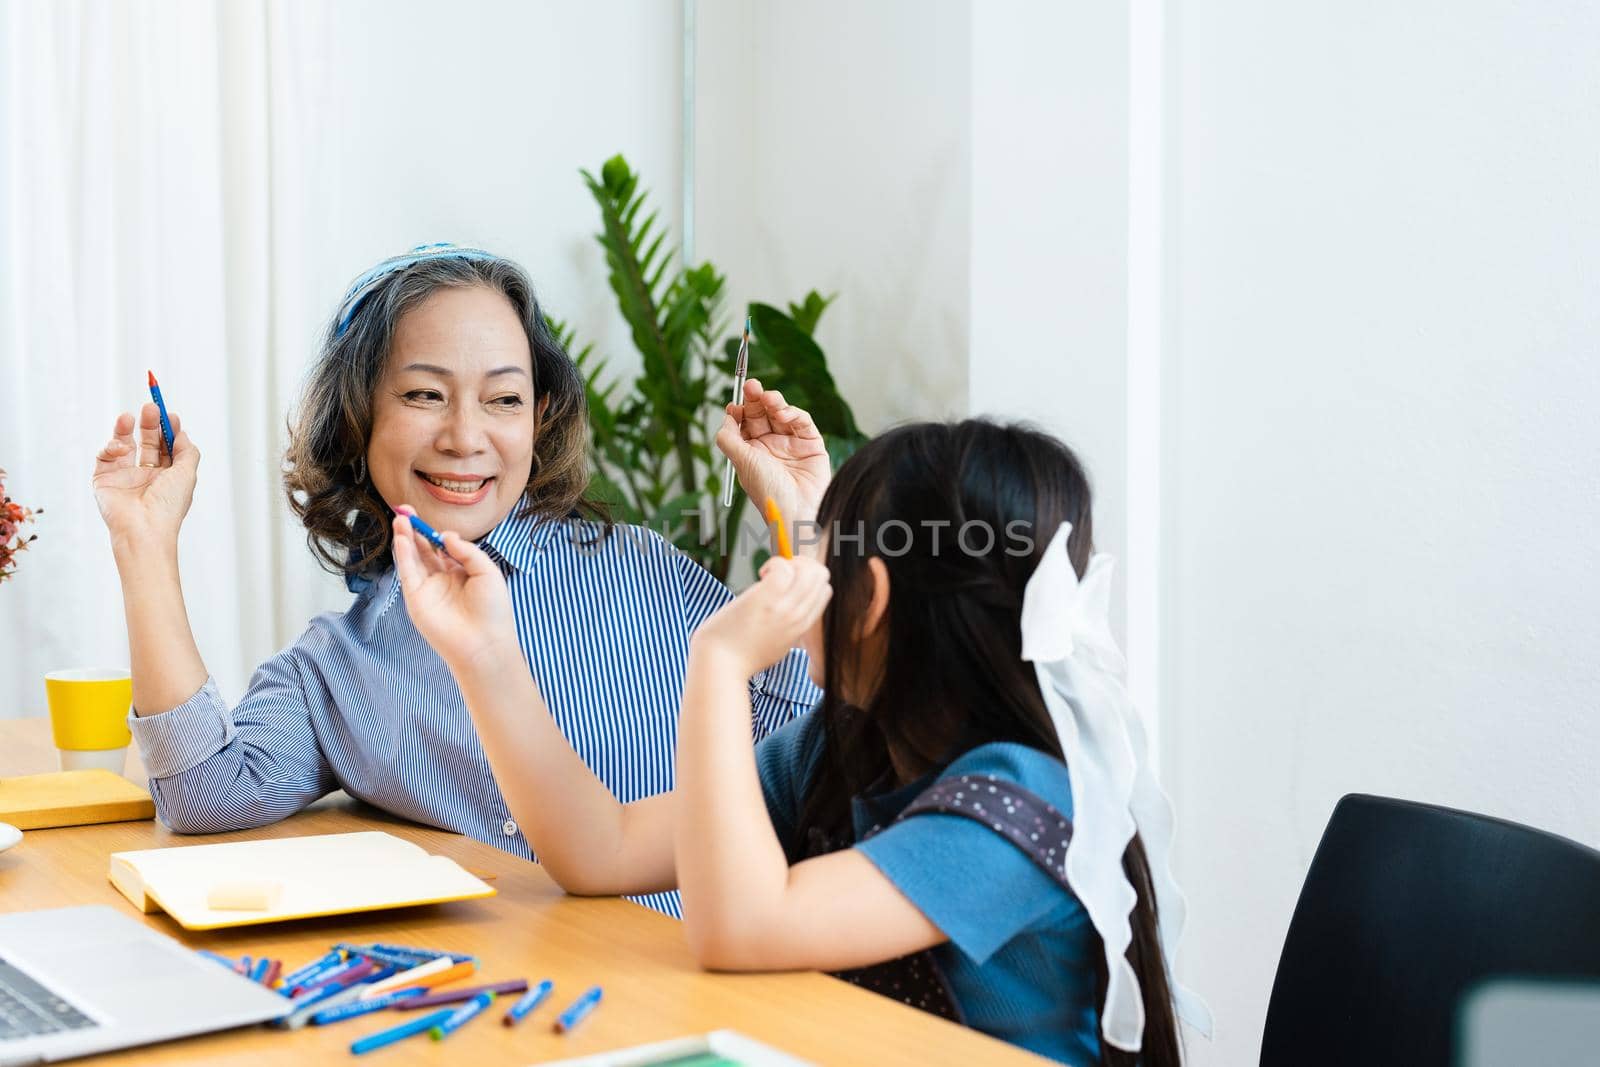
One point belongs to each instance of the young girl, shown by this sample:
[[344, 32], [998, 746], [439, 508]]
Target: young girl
[[956, 826]]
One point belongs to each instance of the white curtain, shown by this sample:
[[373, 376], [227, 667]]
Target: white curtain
[[154, 156]]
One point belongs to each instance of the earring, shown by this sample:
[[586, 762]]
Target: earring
[[361, 469]]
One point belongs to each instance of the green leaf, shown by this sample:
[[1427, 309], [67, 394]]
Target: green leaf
[[806, 313], [800, 370], [667, 314], [651, 436]]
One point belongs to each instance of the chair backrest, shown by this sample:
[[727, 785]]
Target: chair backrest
[[1405, 907]]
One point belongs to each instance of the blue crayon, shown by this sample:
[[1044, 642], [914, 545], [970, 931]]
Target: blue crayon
[[391, 959], [314, 970], [528, 1001], [463, 1015], [259, 971], [364, 1007], [436, 541], [161, 407], [401, 1032], [579, 1010], [312, 996], [402, 956], [425, 953]]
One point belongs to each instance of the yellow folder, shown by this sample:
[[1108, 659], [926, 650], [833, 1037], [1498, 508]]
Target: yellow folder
[[71, 798], [240, 883]]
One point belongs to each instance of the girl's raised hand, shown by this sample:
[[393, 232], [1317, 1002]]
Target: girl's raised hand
[[777, 451], [457, 599], [763, 623]]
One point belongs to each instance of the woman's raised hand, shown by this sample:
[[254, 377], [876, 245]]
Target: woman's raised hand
[[776, 451], [142, 490], [457, 599]]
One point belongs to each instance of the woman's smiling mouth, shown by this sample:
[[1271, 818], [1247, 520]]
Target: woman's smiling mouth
[[456, 488]]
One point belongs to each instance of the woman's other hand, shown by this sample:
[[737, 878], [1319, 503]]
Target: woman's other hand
[[143, 491], [777, 451]]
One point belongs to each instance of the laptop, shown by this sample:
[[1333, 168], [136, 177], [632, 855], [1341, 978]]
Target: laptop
[[75, 981], [1511, 1022]]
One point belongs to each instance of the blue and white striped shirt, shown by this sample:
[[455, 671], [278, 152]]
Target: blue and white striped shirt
[[362, 702]]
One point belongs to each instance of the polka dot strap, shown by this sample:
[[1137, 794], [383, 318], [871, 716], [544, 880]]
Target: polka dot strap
[[1031, 824]]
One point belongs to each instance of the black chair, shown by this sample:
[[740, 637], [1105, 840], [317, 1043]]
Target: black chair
[[1406, 907]]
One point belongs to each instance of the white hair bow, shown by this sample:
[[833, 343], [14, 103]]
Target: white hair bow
[[1066, 634]]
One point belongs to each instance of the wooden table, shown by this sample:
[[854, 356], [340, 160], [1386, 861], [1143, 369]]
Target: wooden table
[[653, 990]]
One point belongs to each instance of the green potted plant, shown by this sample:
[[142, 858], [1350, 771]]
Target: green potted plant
[[652, 455]]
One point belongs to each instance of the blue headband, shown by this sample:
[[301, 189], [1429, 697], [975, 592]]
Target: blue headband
[[363, 286]]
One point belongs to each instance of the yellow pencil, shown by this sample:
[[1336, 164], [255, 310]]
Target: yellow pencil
[[775, 517]]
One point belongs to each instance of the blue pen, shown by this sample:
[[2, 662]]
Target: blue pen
[[401, 1032], [155, 394], [463, 1015], [579, 1010], [364, 1007], [528, 1001]]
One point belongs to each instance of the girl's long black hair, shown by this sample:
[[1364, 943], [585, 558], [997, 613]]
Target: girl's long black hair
[[960, 514]]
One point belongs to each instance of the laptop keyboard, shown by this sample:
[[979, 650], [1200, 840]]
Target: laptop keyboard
[[28, 1009]]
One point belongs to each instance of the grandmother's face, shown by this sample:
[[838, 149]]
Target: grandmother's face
[[452, 429]]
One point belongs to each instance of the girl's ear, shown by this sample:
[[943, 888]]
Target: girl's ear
[[878, 606]]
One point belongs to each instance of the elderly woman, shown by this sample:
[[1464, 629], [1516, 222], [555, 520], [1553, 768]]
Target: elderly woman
[[439, 386]]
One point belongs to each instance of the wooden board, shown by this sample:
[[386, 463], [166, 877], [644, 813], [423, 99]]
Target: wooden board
[[72, 798]]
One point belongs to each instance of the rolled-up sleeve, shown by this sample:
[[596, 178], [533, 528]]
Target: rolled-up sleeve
[[212, 769]]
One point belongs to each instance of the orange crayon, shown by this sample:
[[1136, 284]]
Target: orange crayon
[[775, 517]]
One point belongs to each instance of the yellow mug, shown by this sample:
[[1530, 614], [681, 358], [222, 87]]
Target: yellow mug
[[89, 716]]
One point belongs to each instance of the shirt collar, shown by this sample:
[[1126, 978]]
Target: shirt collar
[[512, 544], [517, 539]]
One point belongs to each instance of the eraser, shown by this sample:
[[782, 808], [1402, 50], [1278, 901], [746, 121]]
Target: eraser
[[259, 895]]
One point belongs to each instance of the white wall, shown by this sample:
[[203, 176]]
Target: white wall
[[1049, 238], [347, 133], [832, 153], [1382, 442], [468, 122], [1374, 480]]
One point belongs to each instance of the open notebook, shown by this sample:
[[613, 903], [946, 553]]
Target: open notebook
[[204, 887]]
